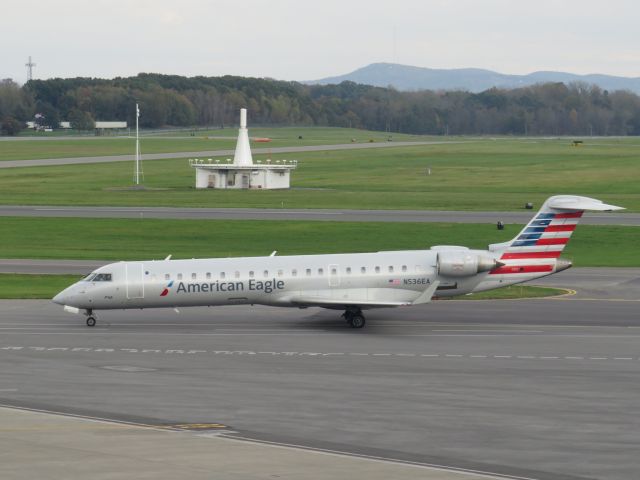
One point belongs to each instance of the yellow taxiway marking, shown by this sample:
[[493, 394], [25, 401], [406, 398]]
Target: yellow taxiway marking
[[197, 426]]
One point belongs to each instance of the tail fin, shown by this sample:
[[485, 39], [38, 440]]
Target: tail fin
[[546, 235]]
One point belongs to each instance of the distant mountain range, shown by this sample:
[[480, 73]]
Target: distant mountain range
[[404, 77]]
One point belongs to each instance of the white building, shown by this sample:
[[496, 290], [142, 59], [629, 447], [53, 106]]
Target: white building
[[243, 172]]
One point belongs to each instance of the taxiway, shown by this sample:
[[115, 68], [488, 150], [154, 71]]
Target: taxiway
[[538, 389]]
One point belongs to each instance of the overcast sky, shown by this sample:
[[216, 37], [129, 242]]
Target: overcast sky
[[303, 40]]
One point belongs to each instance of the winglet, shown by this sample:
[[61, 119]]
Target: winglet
[[426, 296]]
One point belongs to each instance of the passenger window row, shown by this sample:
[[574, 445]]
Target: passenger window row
[[280, 273]]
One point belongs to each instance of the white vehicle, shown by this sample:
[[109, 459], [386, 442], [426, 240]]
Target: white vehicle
[[351, 282]]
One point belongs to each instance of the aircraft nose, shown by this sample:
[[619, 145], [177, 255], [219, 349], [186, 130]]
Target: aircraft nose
[[60, 298]]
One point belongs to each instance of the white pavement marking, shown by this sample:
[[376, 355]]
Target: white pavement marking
[[250, 353]]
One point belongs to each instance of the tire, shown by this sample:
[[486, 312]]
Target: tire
[[91, 322], [357, 321]]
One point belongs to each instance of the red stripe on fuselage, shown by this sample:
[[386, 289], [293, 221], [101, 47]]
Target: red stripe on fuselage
[[560, 228], [552, 241], [522, 269], [521, 255], [569, 215]]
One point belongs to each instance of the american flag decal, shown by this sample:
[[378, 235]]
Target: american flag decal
[[394, 281]]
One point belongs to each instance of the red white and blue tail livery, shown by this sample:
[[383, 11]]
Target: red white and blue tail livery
[[351, 282], [537, 248]]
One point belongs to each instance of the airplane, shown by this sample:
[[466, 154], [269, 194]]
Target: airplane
[[351, 282]]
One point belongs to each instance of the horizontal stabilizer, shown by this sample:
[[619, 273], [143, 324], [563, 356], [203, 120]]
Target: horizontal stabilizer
[[571, 202]]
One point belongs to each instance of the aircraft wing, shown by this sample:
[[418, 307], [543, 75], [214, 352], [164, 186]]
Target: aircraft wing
[[312, 301], [327, 300]]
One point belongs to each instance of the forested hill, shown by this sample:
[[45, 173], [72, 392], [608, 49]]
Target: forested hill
[[544, 109]]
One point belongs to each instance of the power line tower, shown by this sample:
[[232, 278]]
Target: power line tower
[[29, 66]]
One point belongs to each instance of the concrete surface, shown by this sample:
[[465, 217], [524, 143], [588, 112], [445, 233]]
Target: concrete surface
[[42, 445]]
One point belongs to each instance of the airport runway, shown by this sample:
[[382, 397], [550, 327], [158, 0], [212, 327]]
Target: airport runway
[[540, 389], [337, 215], [213, 153]]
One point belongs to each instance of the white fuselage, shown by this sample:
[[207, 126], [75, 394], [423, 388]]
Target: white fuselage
[[335, 280]]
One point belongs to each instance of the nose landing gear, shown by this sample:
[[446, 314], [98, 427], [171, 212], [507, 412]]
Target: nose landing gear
[[354, 317]]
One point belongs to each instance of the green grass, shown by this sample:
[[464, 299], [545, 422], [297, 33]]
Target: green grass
[[512, 292], [477, 175], [33, 286], [146, 239], [60, 147]]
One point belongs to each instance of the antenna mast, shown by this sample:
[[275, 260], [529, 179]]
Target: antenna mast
[[138, 173], [29, 66]]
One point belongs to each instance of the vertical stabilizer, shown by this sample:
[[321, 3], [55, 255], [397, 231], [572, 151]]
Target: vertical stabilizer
[[539, 245], [242, 154]]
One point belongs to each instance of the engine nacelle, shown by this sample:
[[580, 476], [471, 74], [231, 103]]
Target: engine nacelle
[[460, 263]]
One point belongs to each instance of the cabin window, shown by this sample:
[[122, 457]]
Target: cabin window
[[208, 275], [308, 272], [320, 271], [280, 273], [348, 270], [167, 276], [193, 276], [377, 269], [251, 274], [222, 275], [294, 273], [237, 274], [363, 269], [390, 269], [179, 276], [404, 268], [334, 271], [265, 273]]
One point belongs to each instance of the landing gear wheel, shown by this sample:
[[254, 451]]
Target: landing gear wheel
[[357, 320], [91, 322]]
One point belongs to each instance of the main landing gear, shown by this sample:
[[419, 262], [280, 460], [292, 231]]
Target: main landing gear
[[91, 319], [354, 317]]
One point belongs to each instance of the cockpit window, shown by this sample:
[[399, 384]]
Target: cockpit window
[[102, 277], [89, 277]]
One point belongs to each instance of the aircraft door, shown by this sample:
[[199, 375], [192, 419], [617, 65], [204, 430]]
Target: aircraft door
[[334, 275], [135, 280]]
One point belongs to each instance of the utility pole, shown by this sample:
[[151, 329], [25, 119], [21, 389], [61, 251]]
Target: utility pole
[[29, 66], [138, 169]]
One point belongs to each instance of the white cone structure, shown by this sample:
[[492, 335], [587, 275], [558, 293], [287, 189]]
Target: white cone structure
[[242, 154], [243, 173]]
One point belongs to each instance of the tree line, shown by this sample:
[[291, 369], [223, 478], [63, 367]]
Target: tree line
[[172, 100]]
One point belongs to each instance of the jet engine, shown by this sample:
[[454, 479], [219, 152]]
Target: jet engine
[[462, 263]]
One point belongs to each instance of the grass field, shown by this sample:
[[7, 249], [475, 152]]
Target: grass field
[[60, 147], [33, 286], [513, 292], [146, 239], [476, 175]]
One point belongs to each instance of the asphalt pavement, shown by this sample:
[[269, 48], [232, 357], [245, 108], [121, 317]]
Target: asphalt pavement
[[540, 389], [212, 153], [336, 215]]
